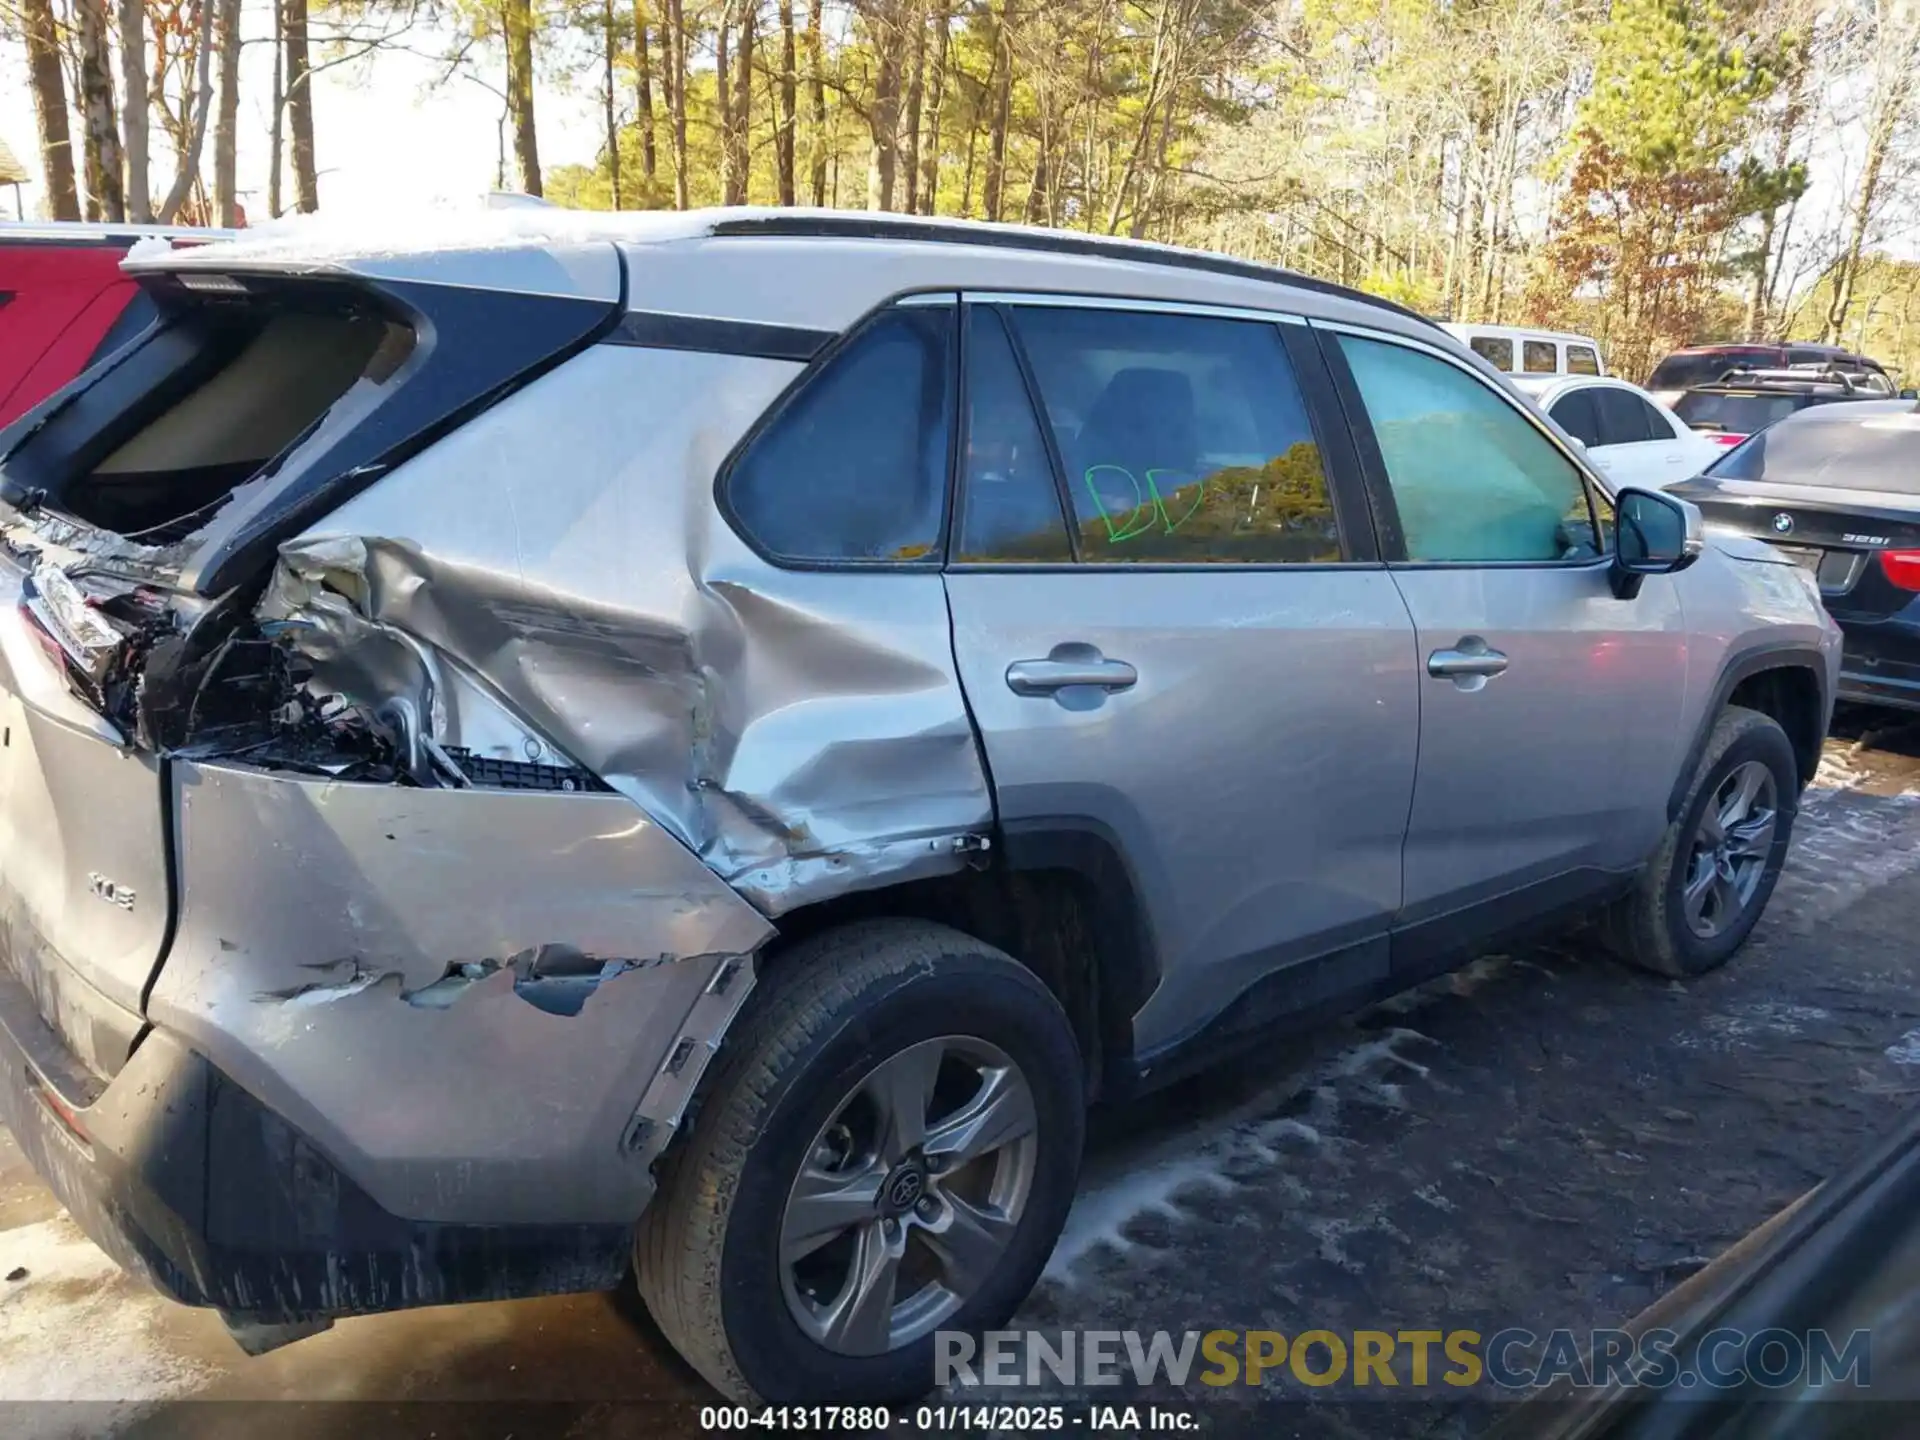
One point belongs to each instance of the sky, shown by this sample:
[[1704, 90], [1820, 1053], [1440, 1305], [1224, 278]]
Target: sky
[[387, 137]]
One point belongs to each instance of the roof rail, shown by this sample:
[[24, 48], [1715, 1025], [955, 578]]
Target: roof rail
[[858, 225]]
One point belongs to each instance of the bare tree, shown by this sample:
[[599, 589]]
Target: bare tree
[[106, 199], [610, 38], [227, 123], [643, 70], [789, 99], [133, 107], [516, 18], [936, 97], [1894, 37], [1001, 109], [816, 105], [187, 173], [677, 103], [740, 113], [306, 175], [50, 109]]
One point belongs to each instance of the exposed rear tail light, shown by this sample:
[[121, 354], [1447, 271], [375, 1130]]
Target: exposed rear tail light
[[1902, 567], [1721, 437], [63, 1112]]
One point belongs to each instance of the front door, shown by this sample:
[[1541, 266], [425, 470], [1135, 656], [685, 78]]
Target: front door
[[1200, 663], [1548, 708]]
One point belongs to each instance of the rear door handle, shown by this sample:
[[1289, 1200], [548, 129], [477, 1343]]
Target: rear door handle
[[1057, 672], [1470, 664]]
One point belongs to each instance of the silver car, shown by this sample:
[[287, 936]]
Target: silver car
[[703, 742]]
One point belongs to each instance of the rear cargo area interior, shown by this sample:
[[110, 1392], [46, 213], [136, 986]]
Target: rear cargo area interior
[[256, 388]]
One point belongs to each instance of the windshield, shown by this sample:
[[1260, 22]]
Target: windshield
[[1677, 372], [1878, 452], [1741, 414]]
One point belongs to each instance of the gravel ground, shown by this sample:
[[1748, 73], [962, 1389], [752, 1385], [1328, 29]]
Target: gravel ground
[[1545, 1139]]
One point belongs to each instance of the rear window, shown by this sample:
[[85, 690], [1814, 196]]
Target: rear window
[[1739, 414], [1494, 349], [1678, 372], [255, 386], [1877, 452], [1542, 357], [1582, 361]]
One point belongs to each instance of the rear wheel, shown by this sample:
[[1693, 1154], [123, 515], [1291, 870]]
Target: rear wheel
[[887, 1149], [1708, 884]]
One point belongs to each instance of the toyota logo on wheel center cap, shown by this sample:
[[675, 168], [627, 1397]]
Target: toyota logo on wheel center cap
[[904, 1188], [1783, 524]]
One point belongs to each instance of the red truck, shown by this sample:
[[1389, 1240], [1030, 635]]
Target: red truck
[[64, 303]]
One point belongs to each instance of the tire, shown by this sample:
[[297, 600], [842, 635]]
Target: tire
[[794, 1085], [1653, 926]]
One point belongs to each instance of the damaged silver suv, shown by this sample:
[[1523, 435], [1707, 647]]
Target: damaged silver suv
[[703, 742]]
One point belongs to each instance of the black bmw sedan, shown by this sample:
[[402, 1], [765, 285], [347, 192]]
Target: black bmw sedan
[[1837, 487]]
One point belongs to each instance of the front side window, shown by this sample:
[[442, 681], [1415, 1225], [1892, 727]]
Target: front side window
[[1495, 350], [1184, 439], [1471, 478], [1582, 361], [1541, 357], [854, 467]]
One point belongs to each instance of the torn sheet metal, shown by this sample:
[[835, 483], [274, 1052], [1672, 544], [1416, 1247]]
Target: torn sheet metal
[[460, 995], [803, 733]]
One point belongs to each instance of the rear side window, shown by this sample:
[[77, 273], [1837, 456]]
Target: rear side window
[[1578, 417], [1010, 504], [1496, 350], [1582, 361], [854, 467], [1471, 478], [1624, 419], [1542, 357], [1184, 439], [1678, 372]]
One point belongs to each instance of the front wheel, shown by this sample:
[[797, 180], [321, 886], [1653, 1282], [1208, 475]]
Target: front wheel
[[1707, 885], [888, 1149]]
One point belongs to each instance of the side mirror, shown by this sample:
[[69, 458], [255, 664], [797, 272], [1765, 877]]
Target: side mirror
[[1653, 534]]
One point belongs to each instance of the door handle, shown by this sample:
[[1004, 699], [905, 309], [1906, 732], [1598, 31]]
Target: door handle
[[1059, 671], [1470, 664]]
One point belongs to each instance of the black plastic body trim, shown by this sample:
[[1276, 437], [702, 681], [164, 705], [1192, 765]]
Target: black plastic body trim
[[654, 330], [190, 1183], [1742, 665]]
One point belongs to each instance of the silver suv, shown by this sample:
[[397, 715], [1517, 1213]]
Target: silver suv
[[453, 691]]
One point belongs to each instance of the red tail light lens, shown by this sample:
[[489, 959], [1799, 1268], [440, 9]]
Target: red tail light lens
[[1721, 437], [1902, 567]]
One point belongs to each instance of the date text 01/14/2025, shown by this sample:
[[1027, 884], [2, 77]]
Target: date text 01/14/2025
[[934, 1419]]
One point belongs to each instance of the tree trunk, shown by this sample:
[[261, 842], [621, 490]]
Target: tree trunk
[[737, 116], [50, 108], [677, 105], [517, 21], [936, 96], [306, 177], [916, 96], [133, 107], [188, 174], [226, 127], [1893, 90], [276, 127], [883, 113], [643, 65], [789, 102], [611, 39], [1002, 107], [817, 104], [723, 96], [106, 199]]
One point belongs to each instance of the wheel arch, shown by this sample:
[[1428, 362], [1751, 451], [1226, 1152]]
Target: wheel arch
[[1785, 682]]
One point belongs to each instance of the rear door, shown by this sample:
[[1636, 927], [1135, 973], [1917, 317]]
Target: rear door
[[1549, 710], [1205, 666], [1636, 439]]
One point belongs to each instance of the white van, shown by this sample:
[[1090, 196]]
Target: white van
[[1522, 351]]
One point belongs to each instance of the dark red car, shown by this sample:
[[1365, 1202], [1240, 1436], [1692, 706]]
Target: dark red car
[[64, 303]]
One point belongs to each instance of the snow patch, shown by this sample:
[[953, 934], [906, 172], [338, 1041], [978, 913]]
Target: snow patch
[[1740, 1029], [78, 1328]]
